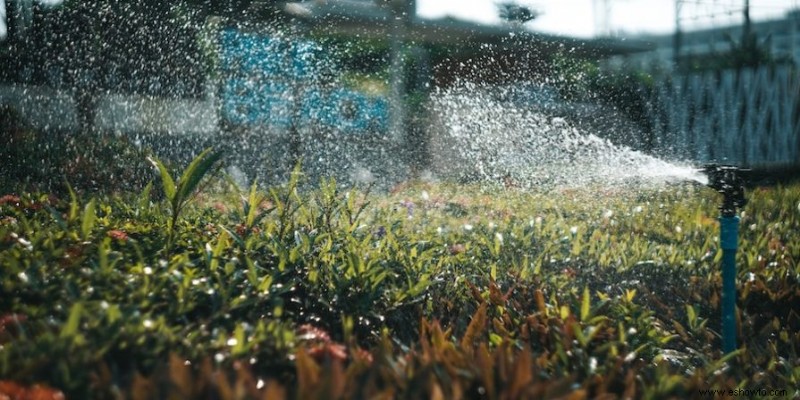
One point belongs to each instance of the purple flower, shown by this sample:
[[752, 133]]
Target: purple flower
[[409, 205]]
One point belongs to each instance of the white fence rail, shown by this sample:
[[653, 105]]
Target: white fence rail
[[748, 118], [52, 109]]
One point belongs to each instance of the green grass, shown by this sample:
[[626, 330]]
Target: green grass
[[432, 291]]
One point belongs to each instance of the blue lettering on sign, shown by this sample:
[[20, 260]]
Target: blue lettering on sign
[[272, 81]]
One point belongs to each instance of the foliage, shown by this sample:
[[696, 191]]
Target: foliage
[[42, 161], [515, 13], [431, 291], [140, 46], [179, 193]]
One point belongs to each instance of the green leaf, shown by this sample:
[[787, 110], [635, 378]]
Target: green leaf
[[222, 244], [70, 329], [585, 304], [194, 173], [102, 255], [89, 219], [251, 206], [630, 294], [666, 339], [233, 235], [144, 198], [113, 314], [495, 339], [166, 180], [73, 204], [691, 315], [240, 339]]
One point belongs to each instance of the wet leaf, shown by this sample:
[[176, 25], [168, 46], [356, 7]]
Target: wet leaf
[[585, 304], [88, 220], [71, 327]]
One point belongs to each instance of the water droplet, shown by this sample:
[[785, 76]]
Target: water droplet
[[25, 243], [148, 271], [232, 342], [148, 324]]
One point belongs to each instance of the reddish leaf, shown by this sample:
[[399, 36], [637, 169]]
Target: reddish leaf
[[13, 391], [475, 328], [309, 332], [118, 234]]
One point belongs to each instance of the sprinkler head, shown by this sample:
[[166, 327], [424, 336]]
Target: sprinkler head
[[727, 179]]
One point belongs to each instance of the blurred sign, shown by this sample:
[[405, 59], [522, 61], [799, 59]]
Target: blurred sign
[[278, 81]]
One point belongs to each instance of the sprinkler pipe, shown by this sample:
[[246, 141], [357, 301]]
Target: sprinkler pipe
[[727, 180]]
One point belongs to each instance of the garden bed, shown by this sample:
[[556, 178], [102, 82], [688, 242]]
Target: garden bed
[[430, 291]]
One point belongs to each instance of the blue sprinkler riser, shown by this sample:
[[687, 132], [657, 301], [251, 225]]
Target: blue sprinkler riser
[[729, 237], [729, 233]]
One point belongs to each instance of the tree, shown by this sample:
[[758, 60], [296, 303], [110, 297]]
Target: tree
[[145, 47], [516, 13], [123, 46]]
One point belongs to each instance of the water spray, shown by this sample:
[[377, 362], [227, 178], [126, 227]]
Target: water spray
[[728, 181]]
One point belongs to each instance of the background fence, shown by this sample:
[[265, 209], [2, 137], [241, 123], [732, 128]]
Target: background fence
[[749, 117]]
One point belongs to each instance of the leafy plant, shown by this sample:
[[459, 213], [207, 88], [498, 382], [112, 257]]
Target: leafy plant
[[344, 293], [180, 193]]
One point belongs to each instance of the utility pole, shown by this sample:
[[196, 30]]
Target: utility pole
[[402, 12], [747, 23], [602, 16], [747, 29], [677, 40]]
